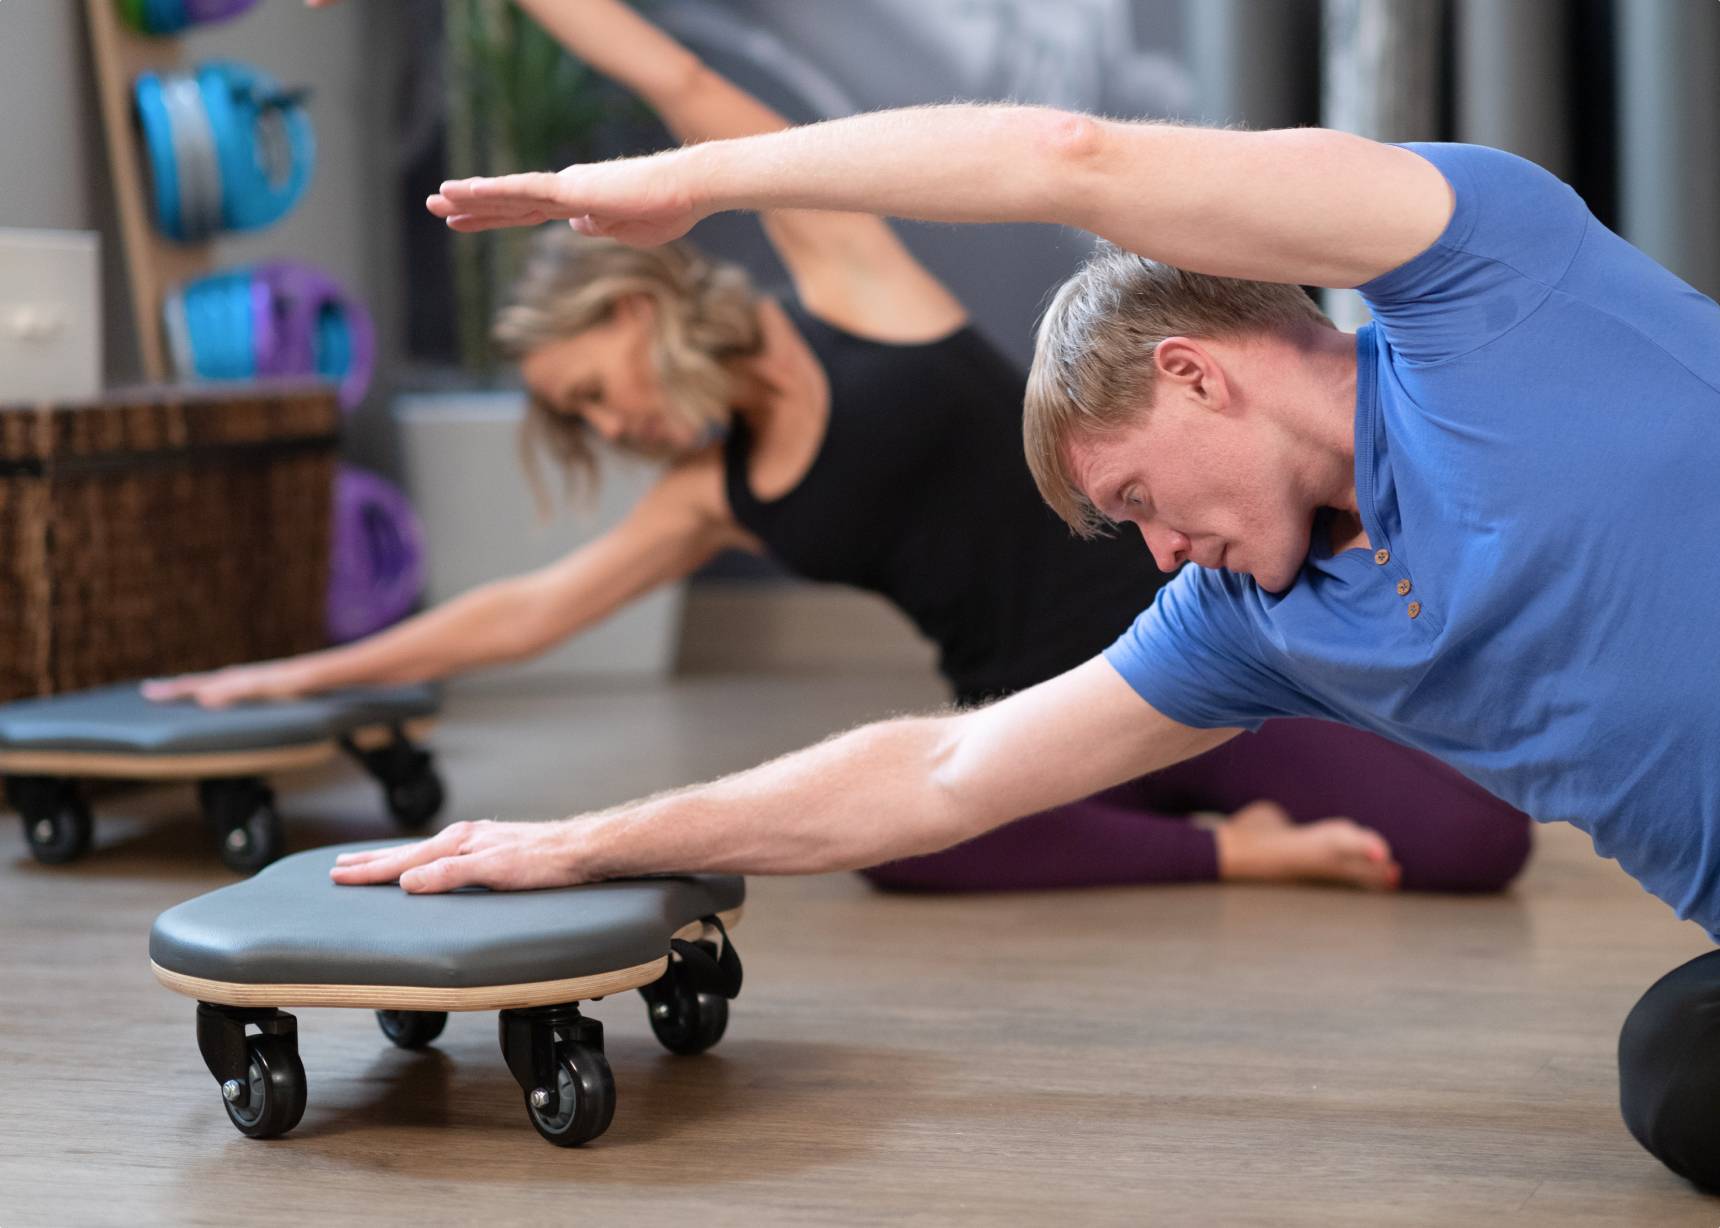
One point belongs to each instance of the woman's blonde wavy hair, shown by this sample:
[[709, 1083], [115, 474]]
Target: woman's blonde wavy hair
[[705, 316]]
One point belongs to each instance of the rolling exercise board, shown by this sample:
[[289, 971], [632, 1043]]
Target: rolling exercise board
[[291, 937], [47, 745]]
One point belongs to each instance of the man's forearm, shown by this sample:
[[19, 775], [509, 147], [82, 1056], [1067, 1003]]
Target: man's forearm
[[1304, 206], [870, 795], [881, 792], [961, 163]]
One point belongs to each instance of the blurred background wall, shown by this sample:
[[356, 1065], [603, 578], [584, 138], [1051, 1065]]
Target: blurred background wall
[[1620, 97]]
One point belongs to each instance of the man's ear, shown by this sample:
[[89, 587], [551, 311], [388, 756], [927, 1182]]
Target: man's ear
[[1189, 365]]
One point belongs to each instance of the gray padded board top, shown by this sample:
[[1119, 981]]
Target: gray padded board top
[[119, 719], [290, 925]]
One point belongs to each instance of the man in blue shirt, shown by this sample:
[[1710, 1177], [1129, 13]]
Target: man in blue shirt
[[1483, 526]]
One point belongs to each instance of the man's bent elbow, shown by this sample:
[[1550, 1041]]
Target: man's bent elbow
[[1070, 147], [1068, 136]]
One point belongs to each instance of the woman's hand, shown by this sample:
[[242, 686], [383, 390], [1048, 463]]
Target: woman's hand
[[236, 684], [485, 853], [638, 201]]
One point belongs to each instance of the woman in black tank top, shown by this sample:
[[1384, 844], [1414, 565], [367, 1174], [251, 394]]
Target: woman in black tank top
[[919, 492], [867, 434]]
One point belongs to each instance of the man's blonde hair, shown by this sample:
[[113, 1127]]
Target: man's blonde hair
[[1093, 359], [706, 316]]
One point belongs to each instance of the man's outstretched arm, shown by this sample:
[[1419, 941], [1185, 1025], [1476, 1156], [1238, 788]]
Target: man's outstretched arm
[[1305, 205], [883, 791]]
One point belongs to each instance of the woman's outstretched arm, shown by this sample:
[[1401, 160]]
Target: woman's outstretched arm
[[848, 268], [675, 528]]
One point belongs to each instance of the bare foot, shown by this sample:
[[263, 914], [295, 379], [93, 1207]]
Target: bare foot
[[1260, 843]]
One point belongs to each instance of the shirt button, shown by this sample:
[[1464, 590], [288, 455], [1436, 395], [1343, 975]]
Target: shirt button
[[1414, 608], [1382, 556], [1403, 588]]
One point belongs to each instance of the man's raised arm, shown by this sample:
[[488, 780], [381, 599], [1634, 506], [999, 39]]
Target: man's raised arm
[[883, 791], [1304, 205]]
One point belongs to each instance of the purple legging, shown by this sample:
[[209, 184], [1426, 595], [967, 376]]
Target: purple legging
[[1446, 832]]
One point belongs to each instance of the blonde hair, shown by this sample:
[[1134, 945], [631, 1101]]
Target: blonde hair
[[705, 314], [1093, 358]]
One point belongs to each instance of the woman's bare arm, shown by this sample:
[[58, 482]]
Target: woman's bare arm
[[675, 528], [848, 268]]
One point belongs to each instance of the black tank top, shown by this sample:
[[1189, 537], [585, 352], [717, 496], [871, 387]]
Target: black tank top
[[920, 492]]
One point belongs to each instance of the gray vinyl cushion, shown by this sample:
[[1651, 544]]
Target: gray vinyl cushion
[[119, 719], [290, 925]]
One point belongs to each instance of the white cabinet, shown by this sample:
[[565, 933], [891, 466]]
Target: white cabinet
[[461, 467]]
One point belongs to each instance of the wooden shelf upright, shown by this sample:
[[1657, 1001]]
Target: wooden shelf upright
[[154, 263]]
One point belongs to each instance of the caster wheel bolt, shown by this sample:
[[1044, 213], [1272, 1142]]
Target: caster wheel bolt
[[539, 1098], [43, 830], [661, 1010], [231, 1090], [237, 840]]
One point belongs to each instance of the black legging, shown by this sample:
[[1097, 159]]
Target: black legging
[[1669, 1070]]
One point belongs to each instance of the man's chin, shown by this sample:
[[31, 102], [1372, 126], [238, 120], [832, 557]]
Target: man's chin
[[1273, 581]]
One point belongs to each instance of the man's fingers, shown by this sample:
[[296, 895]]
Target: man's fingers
[[441, 206], [544, 187], [466, 217], [362, 875], [467, 223], [445, 874], [386, 865], [362, 856], [502, 206]]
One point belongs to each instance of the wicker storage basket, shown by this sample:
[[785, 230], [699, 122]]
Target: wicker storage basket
[[161, 531]]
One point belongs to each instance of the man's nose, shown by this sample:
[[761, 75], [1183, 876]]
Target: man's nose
[[1166, 548]]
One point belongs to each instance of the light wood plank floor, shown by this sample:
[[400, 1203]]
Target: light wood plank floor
[[1193, 1055]]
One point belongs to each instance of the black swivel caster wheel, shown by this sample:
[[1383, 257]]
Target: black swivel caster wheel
[[57, 823], [689, 1023], [556, 1056], [415, 799], [273, 1099], [585, 1097], [241, 814], [412, 1029], [685, 1017], [410, 787]]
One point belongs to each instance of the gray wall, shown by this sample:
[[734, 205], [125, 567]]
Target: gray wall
[[816, 58], [51, 155]]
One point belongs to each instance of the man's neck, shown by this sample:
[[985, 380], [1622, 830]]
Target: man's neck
[[1315, 395]]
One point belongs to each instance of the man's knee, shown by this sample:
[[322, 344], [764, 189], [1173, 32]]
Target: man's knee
[[1669, 1070]]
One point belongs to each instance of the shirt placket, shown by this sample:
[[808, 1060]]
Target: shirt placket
[[1401, 582]]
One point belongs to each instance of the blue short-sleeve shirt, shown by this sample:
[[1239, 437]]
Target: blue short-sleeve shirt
[[1538, 469]]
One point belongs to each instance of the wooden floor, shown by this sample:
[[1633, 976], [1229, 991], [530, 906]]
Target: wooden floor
[[1193, 1055]]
